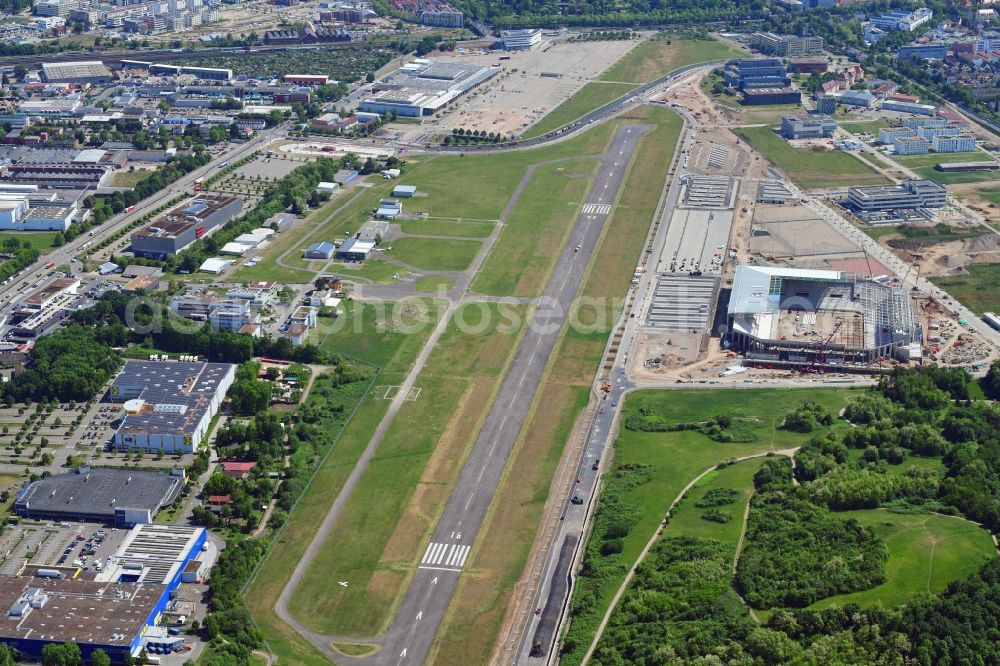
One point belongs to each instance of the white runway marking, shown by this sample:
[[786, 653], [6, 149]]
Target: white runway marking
[[598, 209], [445, 555]]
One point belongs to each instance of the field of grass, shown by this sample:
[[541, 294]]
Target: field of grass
[[532, 238], [434, 227], [386, 522], [923, 165], [378, 271], [395, 353], [979, 290], [473, 621], [677, 457], [687, 520], [40, 240], [880, 232], [810, 169], [380, 334], [128, 178], [865, 127], [591, 96], [926, 553], [435, 254], [663, 54]]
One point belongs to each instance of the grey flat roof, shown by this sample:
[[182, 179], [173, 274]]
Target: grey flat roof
[[100, 491]]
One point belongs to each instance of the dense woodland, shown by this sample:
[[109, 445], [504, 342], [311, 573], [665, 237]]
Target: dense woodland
[[683, 606]]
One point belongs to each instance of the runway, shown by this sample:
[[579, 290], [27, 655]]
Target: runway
[[415, 627]]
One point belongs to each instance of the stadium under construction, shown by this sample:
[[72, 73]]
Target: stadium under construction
[[821, 319]]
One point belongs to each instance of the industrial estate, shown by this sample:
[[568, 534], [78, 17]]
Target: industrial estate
[[438, 333]]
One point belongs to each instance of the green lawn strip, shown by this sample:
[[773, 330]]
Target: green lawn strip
[[808, 168], [355, 550], [663, 54], [930, 159], [380, 333], [435, 254], [675, 459], [991, 195], [439, 227], [40, 240], [979, 290], [926, 553], [533, 237], [955, 177], [378, 271], [590, 97], [879, 232], [867, 127]]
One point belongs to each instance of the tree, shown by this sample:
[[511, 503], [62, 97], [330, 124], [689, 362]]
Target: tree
[[370, 77], [100, 658], [64, 654]]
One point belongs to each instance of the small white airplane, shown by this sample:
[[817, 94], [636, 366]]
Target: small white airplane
[[343, 583]]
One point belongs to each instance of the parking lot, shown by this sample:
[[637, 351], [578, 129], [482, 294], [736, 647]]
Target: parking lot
[[81, 545]]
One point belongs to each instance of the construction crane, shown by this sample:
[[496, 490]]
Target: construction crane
[[820, 357]]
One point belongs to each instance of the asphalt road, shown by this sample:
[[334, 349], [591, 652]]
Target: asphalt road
[[412, 634]]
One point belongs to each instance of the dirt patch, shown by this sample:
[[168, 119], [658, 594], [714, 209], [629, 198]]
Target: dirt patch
[[951, 257]]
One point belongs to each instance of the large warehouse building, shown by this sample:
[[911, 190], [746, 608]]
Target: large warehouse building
[[803, 317], [117, 611], [423, 87], [168, 404], [95, 494], [182, 226]]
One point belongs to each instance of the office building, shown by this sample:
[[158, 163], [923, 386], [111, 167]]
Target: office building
[[902, 20], [757, 73], [785, 45], [871, 202], [799, 127], [758, 96], [168, 405], [520, 40]]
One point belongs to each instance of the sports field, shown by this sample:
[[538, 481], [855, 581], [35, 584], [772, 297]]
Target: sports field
[[926, 553], [674, 458], [865, 127], [808, 168]]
